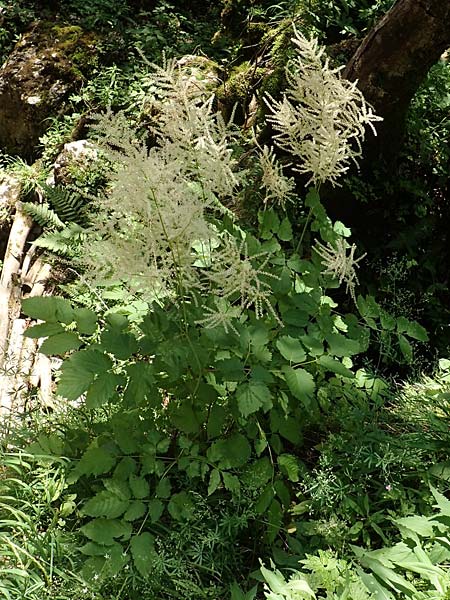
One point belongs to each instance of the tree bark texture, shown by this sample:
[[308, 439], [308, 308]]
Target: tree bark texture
[[394, 59]]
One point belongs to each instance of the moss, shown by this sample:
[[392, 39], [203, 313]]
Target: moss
[[70, 41], [238, 89]]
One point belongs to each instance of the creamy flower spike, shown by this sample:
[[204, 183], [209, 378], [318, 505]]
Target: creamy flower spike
[[321, 118]]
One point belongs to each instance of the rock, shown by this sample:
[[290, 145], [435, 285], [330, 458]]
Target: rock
[[201, 73], [44, 69], [77, 155]]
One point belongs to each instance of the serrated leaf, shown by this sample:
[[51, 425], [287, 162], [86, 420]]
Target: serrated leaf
[[342, 346], [441, 501], [230, 453], [136, 510], [86, 320], [330, 364], [95, 461], [118, 487], [285, 230], [48, 308], [60, 343], [216, 420], [139, 486], [143, 552], [163, 489], [78, 372], [214, 481], [231, 483], [105, 504], [155, 509], [252, 396], [181, 506], [102, 389], [103, 531], [119, 344], [301, 384], [43, 330], [264, 500], [291, 349]]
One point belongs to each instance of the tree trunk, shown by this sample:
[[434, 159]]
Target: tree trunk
[[393, 60]]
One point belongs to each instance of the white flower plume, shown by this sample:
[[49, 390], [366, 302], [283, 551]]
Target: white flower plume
[[321, 119], [339, 263]]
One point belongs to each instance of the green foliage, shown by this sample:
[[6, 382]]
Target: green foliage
[[415, 567], [345, 17], [232, 415]]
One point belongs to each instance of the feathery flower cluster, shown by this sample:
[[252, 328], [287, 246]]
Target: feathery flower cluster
[[321, 119], [278, 187], [339, 263], [236, 274]]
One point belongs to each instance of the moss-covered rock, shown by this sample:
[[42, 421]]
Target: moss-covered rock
[[237, 93], [46, 66]]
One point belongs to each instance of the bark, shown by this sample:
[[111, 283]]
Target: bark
[[394, 59]]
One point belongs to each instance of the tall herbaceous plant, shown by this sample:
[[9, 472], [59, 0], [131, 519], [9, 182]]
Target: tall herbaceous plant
[[159, 227]]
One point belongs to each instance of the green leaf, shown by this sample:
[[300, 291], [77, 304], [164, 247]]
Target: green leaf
[[416, 331], [268, 223], [185, 418], [291, 349], [103, 531], [119, 344], [60, 343], [252, 396], [231, 483], [141, 385], [417, 525], [136, 510], [342, 346], [256, 475], [376, 588], [214, 481], [216, 420], [44, 330], [181, 506], [330, 364], [301, 384], [102, 389], [441, 501], [289, 466], [140, 487], [105, 504], [143, 552], [285, 230], [48, 308], [95, 461], [155, 509], [163, 489], [341, 229], [86, 320], [231, 369], [275, 519], [230, 453], [266, 497], [405, 347], [78, 372]]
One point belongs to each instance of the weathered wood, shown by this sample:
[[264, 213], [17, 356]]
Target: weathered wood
[[394, 59]]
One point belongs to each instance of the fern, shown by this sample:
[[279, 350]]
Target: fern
[[65, 242], [43, 215], [68, 204]]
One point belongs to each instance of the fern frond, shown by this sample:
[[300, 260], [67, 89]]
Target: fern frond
[[43, 215], [68, 204], [65, 242]]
